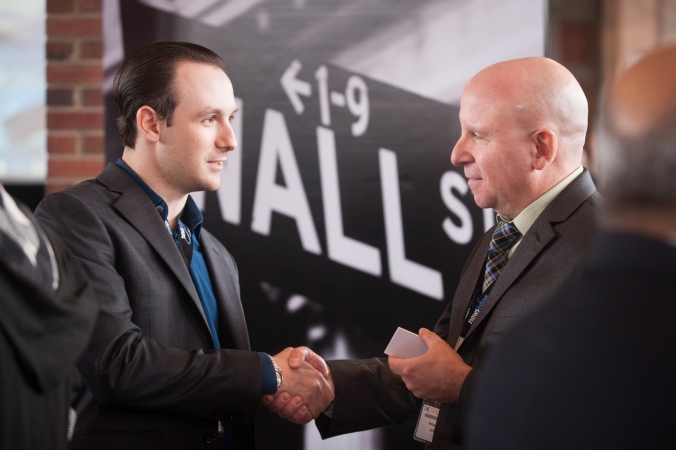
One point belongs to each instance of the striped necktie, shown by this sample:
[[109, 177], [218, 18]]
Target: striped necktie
[[504, 236]]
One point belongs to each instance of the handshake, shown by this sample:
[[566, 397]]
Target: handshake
[[307, 387]]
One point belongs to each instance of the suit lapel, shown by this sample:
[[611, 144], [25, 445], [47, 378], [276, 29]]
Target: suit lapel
[[532, 244], [137, 208], [224, 282], [468, 281]]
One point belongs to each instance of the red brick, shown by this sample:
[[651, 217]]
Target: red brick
[[74, 167], [579, 42], [90, 5], [61, 144], [91, 50], [59, 97], [60, 6], [92, 97], [90, 26], [64, 120], [58, 51], [93, 144], [74, 73]]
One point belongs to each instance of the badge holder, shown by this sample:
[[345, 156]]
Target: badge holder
[[427, 422]]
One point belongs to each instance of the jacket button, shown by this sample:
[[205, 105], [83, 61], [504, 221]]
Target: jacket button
[[210, 438]]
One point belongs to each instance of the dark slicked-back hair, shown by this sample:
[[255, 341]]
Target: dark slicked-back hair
[[147, 78]]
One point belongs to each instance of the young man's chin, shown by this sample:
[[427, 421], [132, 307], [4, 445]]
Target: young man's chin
[[207, 186], [210, 187]]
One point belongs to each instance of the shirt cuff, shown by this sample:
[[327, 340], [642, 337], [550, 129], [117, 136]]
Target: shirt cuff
[[328, 412], [269, 375]]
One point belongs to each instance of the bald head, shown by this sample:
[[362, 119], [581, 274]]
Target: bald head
[[644, 97], [636, 151], [532, 114], [538, 93]]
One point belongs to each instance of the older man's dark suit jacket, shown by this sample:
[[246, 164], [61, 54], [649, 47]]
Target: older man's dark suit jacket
[[595, 367], [369, 395], [154, 379]]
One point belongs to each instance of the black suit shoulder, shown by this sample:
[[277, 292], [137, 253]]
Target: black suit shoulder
[[594, 368]]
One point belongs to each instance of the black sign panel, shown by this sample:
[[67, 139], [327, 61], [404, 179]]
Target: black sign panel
[[341, 207]]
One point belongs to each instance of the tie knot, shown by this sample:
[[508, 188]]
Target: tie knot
[[504, 236]]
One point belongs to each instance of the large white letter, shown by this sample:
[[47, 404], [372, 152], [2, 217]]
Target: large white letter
[[289, 200], [341, 248], [459, 234], [406, 273]]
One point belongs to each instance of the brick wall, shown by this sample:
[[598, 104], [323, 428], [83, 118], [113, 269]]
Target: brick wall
[[575, 41], [75, 139], [630, 27]]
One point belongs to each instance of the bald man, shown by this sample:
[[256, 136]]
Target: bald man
[[523, 130], [596, 367]]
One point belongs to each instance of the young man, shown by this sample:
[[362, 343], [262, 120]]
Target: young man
[[169, 360]]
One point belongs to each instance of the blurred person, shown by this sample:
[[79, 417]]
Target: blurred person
[[47, 313], [169, 365], [595, 368], [523, 129]]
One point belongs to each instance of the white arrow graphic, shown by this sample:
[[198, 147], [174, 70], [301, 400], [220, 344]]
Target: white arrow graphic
[[294, 87]]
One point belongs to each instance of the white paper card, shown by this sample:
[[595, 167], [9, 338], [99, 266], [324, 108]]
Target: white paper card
[[405, 344]]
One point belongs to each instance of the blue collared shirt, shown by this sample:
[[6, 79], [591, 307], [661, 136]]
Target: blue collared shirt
[[191, 218]]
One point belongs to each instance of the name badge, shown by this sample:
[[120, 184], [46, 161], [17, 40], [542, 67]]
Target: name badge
[[427, 422]]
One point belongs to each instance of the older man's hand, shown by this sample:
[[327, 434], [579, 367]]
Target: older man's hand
[[436, 375], [309, 389]]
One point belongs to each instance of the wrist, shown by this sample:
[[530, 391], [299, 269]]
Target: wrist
[[278, 372]]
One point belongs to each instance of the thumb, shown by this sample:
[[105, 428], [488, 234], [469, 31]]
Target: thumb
[[427, 336], [297, 356], [318, 363]]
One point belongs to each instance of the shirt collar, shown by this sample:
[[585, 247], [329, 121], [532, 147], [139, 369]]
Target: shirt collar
[[528, 216], [191, 215]]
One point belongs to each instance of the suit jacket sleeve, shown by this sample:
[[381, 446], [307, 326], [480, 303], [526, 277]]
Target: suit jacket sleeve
[[368, 395], [122, 367]]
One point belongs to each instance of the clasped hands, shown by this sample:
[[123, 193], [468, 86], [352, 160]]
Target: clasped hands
[[307, 386], [436, 375]]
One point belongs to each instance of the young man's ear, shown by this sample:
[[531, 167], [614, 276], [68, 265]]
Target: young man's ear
[[546, 145], [148, 124]]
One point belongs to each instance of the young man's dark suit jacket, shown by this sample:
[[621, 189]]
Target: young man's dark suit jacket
[[594, 368], [369, 395], [153, 377]]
